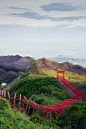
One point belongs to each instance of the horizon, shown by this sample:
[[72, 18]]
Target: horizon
[[43, 29]]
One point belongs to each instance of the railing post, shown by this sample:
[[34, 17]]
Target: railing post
[[26, 107], [4, 94], [14, 101], [37, 111], [45, 115], [41, 112], [23, 105], [49, 114], [0, 92], [19, 105], [33, 111], [9, 97], [29, 110]]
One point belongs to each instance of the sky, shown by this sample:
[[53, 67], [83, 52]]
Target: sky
[[39, 21]]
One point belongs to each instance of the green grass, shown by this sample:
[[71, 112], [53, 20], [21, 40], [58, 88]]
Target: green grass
[[82, 87], [73, 76], [43, 88], [10, 119], [46, 99], [48, 88]]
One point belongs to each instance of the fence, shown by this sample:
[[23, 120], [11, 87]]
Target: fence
[[30, 107]]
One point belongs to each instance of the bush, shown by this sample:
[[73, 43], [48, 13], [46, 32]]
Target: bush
[[25, 75], [10, 119], [40, 100], [37, 119], [4, 104], [54, 117]]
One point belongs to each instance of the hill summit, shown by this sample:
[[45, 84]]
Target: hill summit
[[45, 63], [13, 66]]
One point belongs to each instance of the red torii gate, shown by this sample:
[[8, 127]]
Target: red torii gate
[[60, 71]]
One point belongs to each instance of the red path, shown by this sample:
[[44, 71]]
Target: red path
[[25, 105]]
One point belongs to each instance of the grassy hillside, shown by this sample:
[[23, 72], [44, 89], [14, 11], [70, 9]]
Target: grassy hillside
[[43, 90], [42, 86], [73, 76], [10, 119], [82, 87], [78, 80]]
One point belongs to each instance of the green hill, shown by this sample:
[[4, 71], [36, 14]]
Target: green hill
[[10, 119], [42, 90], [41, 86]]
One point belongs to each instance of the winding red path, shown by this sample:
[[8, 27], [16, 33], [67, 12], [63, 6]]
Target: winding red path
[[45, 111]]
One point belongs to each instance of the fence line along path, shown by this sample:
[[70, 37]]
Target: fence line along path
[[30, 107]]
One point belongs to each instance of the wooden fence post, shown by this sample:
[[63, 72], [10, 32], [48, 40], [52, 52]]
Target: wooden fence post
[[41, 112], [4, 94], [23, 105], [49, 114], [9, 97], [29, 110], [14, 103], [0, 92], [26, 107], [46, 115], [33, 111], [37, 111], [19, 105]]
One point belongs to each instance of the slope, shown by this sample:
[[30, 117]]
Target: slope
[[10, 119]]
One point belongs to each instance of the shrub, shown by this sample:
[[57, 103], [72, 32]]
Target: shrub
[[4, 104], [40, 100], [54, 117], [37, 119]]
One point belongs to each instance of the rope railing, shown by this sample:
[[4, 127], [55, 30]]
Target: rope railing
[[30, 107]]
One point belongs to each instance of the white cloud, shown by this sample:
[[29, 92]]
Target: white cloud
[[53, 17]]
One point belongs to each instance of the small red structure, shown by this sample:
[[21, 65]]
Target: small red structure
[[60, 71]]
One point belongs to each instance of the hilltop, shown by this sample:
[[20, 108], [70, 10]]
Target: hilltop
[[13, 66], [45, 63]]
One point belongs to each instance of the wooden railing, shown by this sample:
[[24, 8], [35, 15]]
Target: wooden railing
[[30, 107]]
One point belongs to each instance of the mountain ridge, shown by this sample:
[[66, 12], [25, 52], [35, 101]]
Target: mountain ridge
[[13, 66], [67, 66]]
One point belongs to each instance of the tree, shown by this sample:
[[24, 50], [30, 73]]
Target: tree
[[1, 79]]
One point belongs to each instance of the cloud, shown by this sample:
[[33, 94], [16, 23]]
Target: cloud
[[18, 8], [37, 16], [62, 7], [32, 15], [69, 18]]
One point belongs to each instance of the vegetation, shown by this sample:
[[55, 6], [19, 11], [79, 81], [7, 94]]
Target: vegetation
[[82, 87], [44, 90], [74, 117], [73, 76], [41, 86], [10, 119]]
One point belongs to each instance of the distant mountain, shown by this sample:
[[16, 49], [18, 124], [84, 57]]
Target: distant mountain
[[12, 66], [45, 63]]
